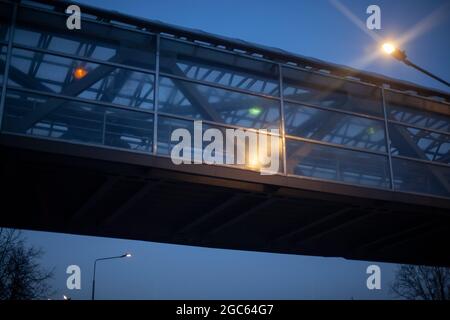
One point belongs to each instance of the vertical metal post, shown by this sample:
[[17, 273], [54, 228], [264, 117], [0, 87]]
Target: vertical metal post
[[388, 139], [156, 99], [93, 282], [283, 131], [7, 63], [104, 128]]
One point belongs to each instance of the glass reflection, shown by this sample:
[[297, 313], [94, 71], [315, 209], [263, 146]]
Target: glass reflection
[[330, 163], [43, 30], [323, 91], [208, 103], [194, 62], [77, 122], [55, 74], [421, 177], [334, 127]]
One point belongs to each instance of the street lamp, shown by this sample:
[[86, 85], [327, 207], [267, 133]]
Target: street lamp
[[126, 255], [400, 55]]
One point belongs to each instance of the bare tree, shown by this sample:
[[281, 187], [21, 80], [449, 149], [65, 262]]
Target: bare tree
[[21, 276], [422, 283]]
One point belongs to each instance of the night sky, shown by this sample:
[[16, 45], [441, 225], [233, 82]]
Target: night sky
[[311, 28]]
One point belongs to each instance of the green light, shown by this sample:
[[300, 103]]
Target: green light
[[371, 131], [255, 111]]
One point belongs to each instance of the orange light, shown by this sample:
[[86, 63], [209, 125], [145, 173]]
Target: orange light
[[79, 73], [253, 161]]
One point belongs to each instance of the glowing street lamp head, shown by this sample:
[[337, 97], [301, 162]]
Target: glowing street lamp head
[[127, 255], [388, 48], [79, 73]]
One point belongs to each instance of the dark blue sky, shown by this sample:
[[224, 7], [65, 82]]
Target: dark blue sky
[[311, 28]]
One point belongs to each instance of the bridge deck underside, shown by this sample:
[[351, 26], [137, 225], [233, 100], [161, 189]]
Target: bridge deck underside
[[94, 197]]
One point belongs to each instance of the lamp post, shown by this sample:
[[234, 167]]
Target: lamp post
[[126, 255], [400, 55]]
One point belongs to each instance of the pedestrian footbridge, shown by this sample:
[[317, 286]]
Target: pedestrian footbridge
[[88, 115]]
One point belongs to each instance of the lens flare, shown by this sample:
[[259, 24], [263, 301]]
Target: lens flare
[[253, 161], [255, 111]]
